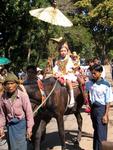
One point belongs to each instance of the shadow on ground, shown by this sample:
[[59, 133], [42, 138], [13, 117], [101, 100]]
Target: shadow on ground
[[52, 140]]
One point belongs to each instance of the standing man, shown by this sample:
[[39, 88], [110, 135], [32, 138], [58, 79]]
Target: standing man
[[16, 114], [100, 94]]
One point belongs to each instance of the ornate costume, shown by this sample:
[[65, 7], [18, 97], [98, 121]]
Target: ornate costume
[[64, 67], [76, 61]]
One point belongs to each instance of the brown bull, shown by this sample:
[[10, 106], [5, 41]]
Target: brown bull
[[56, 106]]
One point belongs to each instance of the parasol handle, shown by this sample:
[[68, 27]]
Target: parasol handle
[[53, 3]]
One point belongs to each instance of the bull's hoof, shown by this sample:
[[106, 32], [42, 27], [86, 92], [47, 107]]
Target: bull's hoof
[[76, 144]]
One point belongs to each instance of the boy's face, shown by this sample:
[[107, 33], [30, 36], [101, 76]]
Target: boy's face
[[96, 74], [63, 52]]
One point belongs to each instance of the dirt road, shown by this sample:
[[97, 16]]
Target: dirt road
[[52, 138]]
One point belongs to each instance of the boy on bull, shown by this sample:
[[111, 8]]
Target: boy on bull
[[64, 69]]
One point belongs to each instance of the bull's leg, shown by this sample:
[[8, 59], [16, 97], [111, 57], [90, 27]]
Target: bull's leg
[[38, 135], [79, 122], [60, 123]]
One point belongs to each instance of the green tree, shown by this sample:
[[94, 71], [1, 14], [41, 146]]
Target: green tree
[[97, 16], [19, 31], [26, 40], [23, 38]]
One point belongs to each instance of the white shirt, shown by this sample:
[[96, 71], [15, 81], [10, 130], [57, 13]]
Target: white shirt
[[69, 74]]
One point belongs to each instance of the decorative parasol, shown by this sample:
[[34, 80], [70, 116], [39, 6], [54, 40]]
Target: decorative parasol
[[4, 61], [51, 15]]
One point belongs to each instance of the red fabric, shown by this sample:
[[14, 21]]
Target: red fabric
[[88, 110], [62, 80], [41, 88], [40, 84], [83, 87], [86, 101]]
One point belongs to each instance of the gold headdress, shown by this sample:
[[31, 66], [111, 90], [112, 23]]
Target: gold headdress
[[74, 54]]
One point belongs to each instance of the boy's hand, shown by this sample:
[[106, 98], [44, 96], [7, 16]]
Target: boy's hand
[[57, 75]]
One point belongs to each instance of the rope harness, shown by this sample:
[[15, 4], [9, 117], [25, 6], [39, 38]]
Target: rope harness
[[45, 99]]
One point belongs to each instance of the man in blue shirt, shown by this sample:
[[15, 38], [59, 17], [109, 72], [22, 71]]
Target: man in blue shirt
[[100, 94]]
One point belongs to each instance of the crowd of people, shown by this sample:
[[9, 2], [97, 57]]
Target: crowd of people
[[15, 108]]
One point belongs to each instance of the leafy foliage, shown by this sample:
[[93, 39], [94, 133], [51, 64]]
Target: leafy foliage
[[26, 40], [97, 16]]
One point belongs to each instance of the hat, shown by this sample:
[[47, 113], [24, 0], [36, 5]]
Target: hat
[[63, 44], [75, 54], [11, 77]]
